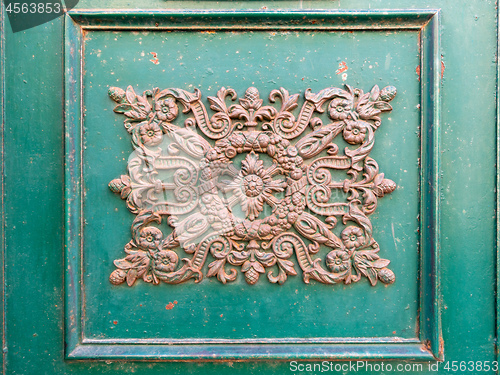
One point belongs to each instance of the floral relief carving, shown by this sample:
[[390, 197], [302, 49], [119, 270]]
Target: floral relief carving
[[252, 187]]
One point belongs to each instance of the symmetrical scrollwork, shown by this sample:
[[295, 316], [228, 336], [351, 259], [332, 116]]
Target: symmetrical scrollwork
[[251, 187]]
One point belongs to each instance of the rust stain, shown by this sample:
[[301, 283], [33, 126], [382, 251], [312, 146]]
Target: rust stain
[[115, 322], [426, 345], [417, 70], [442, 69], [170, 305], [154, 60], [342, 67]]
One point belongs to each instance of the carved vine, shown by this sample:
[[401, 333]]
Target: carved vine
[[255, 190]]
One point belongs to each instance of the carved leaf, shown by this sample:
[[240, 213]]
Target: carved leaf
[[312, 228], [131, 95], [257, 266], [219, 103], [122, 108], [368, 105], [238, 112], [185, 97], [131, 276], [326, 94], [371, 169], [368, 254], [268, 259], [288, 103], [287, 266], [123, 264], [374, 93], [190, 142], [215, 266], [383, 106], [372, 276], [190, 228], [381, 263], [318, 140], [267, 113]]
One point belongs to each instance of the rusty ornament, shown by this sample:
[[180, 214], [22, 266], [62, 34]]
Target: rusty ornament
[[252, 186]]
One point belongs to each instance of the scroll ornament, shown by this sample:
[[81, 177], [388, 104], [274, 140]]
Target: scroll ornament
[[252, 186]]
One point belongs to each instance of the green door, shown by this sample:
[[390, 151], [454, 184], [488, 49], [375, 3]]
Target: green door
[[252, 187]]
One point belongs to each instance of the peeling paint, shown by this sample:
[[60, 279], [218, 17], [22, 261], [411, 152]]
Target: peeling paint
[[170, 305], [154, 60], [342, 67]]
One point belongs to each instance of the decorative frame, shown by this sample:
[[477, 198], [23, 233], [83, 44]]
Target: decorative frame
[[427, 347]]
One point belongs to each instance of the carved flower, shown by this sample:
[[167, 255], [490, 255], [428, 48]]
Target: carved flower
[[354, 133], [166, 110], [338, 261], [151, 134], [253, 186], [352, 237], [166, 261], [150, 238], [339, 109]]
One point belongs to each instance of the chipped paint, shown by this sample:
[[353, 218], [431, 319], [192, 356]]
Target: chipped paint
[[154, 60], [342, 67], [170, 305]]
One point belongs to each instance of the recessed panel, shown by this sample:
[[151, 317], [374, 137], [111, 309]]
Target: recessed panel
[[369, 208]]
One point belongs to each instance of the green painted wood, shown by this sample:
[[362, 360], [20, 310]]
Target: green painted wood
[[100, 38], [498, 194], [34, 208], [33, 139], [2, 206], [430, 185]]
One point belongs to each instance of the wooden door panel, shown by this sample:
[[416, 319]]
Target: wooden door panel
[[228, 319], [63, 227]]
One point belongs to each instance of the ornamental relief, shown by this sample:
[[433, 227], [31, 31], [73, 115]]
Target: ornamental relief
[[252, 187]]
